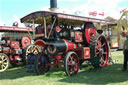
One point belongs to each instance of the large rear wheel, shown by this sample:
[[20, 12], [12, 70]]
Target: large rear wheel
[[4, 62], [99, 51], [71, 63]]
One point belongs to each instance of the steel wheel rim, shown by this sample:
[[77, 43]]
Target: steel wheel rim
[[3, 62]]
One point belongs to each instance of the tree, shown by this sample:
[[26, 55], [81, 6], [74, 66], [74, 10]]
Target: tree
[[111, 19]]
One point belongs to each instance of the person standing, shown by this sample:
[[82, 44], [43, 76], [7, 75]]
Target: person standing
[[125, 52]]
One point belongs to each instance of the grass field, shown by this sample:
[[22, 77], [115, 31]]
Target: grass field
[[110, 75]]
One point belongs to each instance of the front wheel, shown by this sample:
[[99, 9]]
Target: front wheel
[[42, 64], [71, 63], [4, 62]]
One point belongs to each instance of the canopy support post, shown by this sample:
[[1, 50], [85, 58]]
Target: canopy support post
[[45, 32], [51, 27]]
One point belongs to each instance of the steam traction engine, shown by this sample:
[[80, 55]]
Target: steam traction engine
[[11, 49], [66, 40]]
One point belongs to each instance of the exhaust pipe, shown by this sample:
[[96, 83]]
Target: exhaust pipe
[[53, 5]]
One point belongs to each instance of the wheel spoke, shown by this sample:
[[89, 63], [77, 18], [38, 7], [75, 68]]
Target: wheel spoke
[[5, 63], [4, 60], [71, 57], [104, 53], [102, 59], [29, 49], [100, 39], [99, 44], [70, 63], [2, 57], [28, 52], [103, 44], [3, 66], [97, 47], [76, 63], [35, 50]]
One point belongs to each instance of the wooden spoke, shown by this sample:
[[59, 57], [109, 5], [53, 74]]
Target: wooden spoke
[[3, 66], [5, 63], [4, 60]]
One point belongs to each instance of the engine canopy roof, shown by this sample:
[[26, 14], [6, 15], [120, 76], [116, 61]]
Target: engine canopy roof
[[38, 18]]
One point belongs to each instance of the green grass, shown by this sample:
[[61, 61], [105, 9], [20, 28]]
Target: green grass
[[110, 75]]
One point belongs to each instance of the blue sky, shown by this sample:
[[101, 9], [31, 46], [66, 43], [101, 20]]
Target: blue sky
[[13, 10]]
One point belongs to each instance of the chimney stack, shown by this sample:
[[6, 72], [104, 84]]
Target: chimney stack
[[53, 5]]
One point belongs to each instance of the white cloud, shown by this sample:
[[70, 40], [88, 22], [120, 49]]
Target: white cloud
[[109, 7]]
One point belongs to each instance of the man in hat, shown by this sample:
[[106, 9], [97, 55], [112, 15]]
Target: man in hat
[[125, 51]]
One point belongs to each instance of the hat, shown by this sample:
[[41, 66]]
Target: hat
[[126, 36]]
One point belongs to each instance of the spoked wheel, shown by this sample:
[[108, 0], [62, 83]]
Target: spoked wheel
[[30, 50], [4, 62], [42, 64], [99, 51], [71, 63]]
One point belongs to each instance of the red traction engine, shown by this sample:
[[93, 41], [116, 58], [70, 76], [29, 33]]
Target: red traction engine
[[72, 51], [69, 42], [12, 52]]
